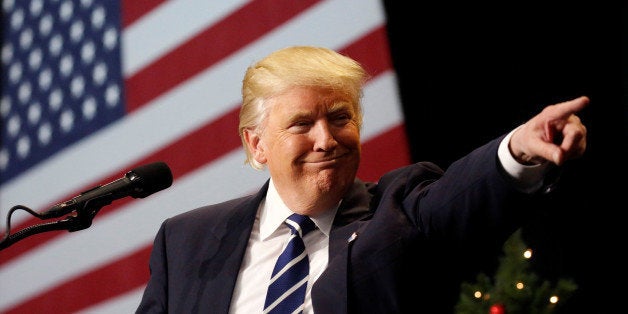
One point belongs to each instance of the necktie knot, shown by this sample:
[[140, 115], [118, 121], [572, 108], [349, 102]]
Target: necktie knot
[[300, 224]]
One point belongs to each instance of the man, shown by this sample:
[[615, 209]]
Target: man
[[394, 246]]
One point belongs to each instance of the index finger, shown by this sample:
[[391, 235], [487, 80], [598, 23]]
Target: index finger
[[565, 109]]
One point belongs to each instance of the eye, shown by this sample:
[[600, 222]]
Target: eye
[[341, 118], [300, 126], [301, 123]]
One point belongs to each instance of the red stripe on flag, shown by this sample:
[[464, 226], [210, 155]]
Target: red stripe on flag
[[96, 286], [383, 153], [209, 47], [372, 51], [133, 10]]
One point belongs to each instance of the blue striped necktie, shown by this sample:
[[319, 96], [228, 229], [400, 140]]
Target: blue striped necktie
[[286, 291]]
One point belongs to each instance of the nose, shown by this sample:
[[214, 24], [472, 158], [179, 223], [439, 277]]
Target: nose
[[323, 136]]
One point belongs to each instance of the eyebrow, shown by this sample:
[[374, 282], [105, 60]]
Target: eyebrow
[[300, 115], [333, 107], [339, 106]]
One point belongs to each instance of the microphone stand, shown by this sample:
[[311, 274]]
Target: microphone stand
[[78, 220]]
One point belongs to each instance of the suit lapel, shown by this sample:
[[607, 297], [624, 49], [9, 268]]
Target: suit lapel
[[329, 293]]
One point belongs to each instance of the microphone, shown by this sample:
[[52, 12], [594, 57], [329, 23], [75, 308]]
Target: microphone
[[137, 183]]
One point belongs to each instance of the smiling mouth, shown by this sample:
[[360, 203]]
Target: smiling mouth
[[327, 161]]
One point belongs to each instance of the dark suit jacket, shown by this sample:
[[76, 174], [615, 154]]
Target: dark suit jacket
[[418, 229]]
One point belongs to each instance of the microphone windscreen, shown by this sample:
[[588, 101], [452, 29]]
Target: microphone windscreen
[[150, 179]]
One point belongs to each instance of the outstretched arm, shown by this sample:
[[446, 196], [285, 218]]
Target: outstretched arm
[[556, 134]]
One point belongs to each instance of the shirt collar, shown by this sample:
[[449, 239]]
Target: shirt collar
[[274, 213]]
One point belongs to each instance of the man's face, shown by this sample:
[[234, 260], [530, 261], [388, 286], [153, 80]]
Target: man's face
[[310, 141]]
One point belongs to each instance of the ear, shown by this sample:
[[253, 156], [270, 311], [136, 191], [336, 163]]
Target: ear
[[255, 145]]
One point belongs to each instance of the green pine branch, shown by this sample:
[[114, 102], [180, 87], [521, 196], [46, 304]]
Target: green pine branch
[[514, 286]]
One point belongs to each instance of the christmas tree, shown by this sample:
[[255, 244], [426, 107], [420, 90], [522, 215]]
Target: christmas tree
[[514, 288]]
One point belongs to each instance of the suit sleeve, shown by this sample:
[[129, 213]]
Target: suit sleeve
[[473, 200]]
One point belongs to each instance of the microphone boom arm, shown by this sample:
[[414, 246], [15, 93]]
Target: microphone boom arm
[[80, 219]]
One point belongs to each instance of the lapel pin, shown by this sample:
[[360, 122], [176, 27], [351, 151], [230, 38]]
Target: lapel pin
[[352, 237]]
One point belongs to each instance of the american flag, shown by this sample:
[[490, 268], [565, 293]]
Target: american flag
[[92, 89]]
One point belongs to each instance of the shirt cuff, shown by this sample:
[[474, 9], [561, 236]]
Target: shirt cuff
[[527, 178]]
